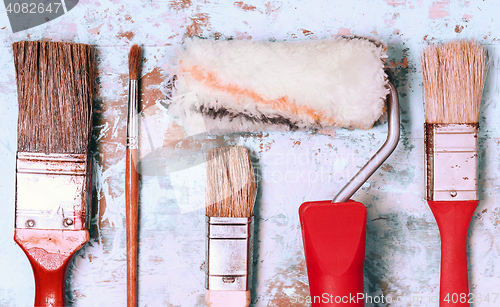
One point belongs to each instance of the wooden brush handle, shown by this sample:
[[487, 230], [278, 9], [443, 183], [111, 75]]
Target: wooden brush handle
[[453, 219], [131, 200], [50, 253]]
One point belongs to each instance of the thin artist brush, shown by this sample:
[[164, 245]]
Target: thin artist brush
[[132, 176]]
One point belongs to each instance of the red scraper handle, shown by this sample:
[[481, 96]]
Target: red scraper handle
[[453, 219], [334, 236], [50, 253]]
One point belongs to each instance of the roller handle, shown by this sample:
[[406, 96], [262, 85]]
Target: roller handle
[[334, 236], [50, 252], [131, 200], [453, 219]]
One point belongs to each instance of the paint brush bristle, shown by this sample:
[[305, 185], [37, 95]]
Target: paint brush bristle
[[134, 60], [453, 75], [231, 188], [55, 83]]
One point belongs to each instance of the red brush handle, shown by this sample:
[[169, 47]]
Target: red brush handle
[[334, 236], [131, 200], [50, 253], [453, 219]]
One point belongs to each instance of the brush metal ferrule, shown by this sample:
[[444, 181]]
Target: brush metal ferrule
[[52, 191], [229, 252], [451, 160], [132, 117]]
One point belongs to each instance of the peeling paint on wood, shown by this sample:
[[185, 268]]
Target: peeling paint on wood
[[402, 253]]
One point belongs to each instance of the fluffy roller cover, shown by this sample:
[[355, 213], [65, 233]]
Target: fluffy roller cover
[[244, 85]]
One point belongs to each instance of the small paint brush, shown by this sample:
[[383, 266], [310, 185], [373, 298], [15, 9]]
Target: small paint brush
[[453, 75], [55, 83], [230, 198], [131, 175]]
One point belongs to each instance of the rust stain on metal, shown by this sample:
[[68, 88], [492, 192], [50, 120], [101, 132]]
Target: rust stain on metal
[[245, 7]]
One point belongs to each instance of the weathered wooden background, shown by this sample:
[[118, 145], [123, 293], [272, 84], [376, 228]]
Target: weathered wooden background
[[402, 253]]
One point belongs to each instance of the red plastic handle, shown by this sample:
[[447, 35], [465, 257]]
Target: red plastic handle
[[50, 253], [334, 236], [453, 219]]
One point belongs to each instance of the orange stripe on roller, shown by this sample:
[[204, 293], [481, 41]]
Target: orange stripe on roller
[[211, 80]]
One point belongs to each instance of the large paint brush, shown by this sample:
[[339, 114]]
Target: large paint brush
[[131, 175], [453, 75], [230, 198], [55, 84]]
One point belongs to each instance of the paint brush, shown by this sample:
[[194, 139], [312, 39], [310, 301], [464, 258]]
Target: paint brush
[[453, 75], [55, 83], [131, 175], [230, 198]]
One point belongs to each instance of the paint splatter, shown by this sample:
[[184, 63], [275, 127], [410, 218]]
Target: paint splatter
[[273, 7], [96, 30], [151, 86], [467, 17], [245, 7], [288, 287], [306, 32], [180, 4], [199, 21], [344, 31], [395, 3], [128, 35], [389, 22], [458, 28], [242, 35], [439, 9], [495, 217]]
